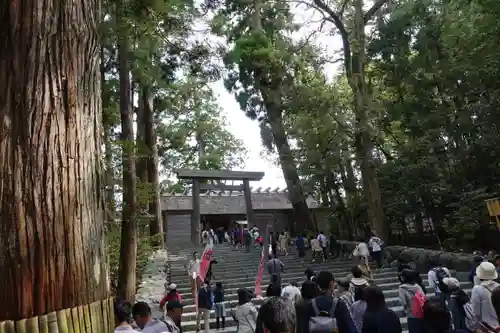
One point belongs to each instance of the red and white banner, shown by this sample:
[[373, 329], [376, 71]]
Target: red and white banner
[[205, 260], [260, 272]]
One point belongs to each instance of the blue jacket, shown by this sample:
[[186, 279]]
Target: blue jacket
[[324, 303], [300, 243]]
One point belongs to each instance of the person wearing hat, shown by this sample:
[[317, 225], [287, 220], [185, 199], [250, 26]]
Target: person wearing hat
[[482, 307], [173, 316], [171, 295], [458, 299], [476, 261]]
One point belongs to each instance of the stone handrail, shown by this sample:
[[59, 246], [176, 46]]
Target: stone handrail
[[420, 256]]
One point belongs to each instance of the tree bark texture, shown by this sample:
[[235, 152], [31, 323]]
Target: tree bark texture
[[128, 243], [156, 225], [295, 190], [53, 254]]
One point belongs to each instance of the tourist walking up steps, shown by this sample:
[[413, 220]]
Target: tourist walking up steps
[[457, 302], [205, 303], [378, 318], [142, 316], [436, 274], [411, 297], [220, 308], [301, 246], [437, 317], [343, 292], [173, 317], [482, 306], [327, 312], [358, 283], [375, 244], [245, 313], [358, 310], [316, 250], [308, 291], [123, 317], [322, 243], [275, 267]]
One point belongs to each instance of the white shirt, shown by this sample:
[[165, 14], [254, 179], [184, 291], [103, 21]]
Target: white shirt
[[432, 279], [322, 240], [291, 292], [481, 303], [194, 267], [374, 243], [361, 250]]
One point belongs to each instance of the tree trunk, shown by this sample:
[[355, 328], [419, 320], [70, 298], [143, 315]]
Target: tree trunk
[[142, 159], [156, 225], [295, 190], [128, 244], [363, 142], [53, 254], [109, 176]]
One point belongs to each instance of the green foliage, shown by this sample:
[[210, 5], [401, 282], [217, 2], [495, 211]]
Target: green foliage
[[144, 249]]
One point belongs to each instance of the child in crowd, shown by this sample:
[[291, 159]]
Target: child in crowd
[[220, 309]]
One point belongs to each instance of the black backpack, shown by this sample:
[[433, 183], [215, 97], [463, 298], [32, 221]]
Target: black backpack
[[440, 275], [358, 291]]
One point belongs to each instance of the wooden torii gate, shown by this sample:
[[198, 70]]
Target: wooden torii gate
[[212, 180]]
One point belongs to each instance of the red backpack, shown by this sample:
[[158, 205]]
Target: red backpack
[[417, 305]]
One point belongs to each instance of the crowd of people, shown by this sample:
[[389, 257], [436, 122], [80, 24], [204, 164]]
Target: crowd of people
[[323, 304]]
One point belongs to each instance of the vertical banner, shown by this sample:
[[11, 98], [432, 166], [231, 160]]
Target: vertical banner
[[260, 272], [205, 260]]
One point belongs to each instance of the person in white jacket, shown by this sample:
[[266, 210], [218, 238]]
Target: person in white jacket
[[245, 314], [482, 307], [362, 253]]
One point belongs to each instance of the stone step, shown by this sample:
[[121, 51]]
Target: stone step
[[239, 268], [229, 280], [390, 290]]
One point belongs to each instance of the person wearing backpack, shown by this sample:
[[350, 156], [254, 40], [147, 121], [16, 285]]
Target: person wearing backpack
[[327, 313], [436, 275], [482, 307], [376, 244], [457, 302], [412, 298], [358, 283]]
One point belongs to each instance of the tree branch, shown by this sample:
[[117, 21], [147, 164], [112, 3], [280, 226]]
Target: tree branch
[[343, 33], [376, 6]]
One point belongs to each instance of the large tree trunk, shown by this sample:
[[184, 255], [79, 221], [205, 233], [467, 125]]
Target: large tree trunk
[[156, 225], [128, 245], [52, 254], [109, 177], [293, 183], [363, 142]]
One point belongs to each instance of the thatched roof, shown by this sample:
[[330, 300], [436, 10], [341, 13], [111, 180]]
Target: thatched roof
[[233, 204]]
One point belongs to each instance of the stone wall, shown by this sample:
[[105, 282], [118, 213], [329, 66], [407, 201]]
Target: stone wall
[[421, 257]]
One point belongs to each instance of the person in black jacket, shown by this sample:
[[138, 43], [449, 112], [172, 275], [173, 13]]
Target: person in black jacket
[[378, 317], [204, 305], [403, 264], [220, 309], [274, 288]]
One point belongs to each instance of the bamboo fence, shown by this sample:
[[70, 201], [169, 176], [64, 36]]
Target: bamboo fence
[[97, 317]]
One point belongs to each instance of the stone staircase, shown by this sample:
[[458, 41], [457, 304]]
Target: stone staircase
[[239, 270]]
